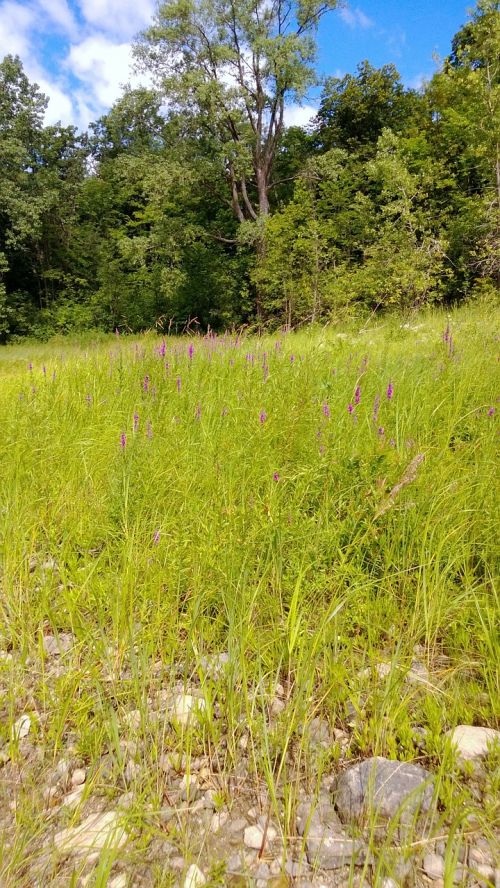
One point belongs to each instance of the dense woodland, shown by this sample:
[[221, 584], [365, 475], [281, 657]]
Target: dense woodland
[[191, 203]]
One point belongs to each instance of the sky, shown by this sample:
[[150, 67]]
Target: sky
[[78, 51]]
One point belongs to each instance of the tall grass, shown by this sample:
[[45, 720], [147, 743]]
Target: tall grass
[[162, 504]]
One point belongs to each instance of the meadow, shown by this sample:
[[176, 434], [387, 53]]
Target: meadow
[[320, 508]]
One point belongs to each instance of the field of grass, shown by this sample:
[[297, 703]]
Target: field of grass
[[313, 504]]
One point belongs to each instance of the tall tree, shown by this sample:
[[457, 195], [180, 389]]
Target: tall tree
[[231, 65]]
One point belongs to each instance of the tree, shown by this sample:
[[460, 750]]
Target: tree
[[230, 66], [356, 108]]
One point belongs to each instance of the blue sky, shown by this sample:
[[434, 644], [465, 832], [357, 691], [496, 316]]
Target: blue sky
[[79, 50]]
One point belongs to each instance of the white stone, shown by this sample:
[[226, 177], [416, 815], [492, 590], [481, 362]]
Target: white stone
[[78, 777], [218, 820], [5, 657], [55, 646], [21, 728], [194, 877], [95, 833], [119, 881], [253, 836], [473, 742], [185, 706], [72, 799], [433, 866]]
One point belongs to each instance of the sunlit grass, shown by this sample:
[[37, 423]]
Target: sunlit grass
[[162, 505]]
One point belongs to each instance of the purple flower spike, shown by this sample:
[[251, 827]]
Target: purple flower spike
[[136, 421], [376, 407], [149, 429], [30, 366], [191, 351], [381, 431], [350, 408], [292, 359], [390, 391], [156, 537], [326, 410], [145, 384], [163, 349], [263, 417], [491, 411], [357, 395], [276, 476], [123, 440]]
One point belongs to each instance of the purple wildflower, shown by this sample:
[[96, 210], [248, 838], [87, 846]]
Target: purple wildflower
[[376, 407], [191, 351], [357, 395], [145, 384], [276, 476], [149, 429], [390, 391], [326, 410], [263, 417], [163, 349], [30, 366], [178, 383], [136, 421], [381, 431], [292, 359], [123, 440], [350, 408], [491, 411], [446, 334], [156, 537]]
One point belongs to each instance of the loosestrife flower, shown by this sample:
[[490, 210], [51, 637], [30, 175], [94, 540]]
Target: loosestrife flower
[[350, 408], [357, 395], [491, 411], [263, 417], [276, 476], [149, 429], [390, 391], [30, 366], [145, 384], [292, 359], [123, 440], [191, 351], [156, 537], [381, 431], [376, 407], [326, 410], [136, 421], [88, 398], [163, 349]]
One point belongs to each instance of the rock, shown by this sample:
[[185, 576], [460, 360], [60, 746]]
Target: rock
[[119, 881], [433, 866], [78, 777], [186, 706], [253, 836], [189, 788], [473, 742], [21, 728], [387, 787], [194, 877], [133, 719], [5, 658], [388, 883], [238, 825], [57, 645], [277, 706], [218, 821], [215, 665], [262, 871], [327, 845], [72, 799], [95, 833]]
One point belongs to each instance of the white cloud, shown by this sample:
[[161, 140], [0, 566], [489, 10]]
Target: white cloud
[[60, 107], [418, 81], [102, 65], [299, 115], [354, 17], [59, 13], [123, 18], [16, 23]]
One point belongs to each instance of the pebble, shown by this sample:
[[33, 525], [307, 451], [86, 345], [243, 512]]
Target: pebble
[[253, 836], [473, 742], [78, 777], [194, 877], [57, 645], [21, 728], [186, 706], [433, 865], [119, 881], [94, 833], [218, 821]]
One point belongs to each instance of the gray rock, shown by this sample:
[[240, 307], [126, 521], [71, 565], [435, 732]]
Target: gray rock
[[473, 742], [95, 833], [253, 836], [386, 787], [194, 877], [215, 665], [433, 865], [327, 844], [57, 645]]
